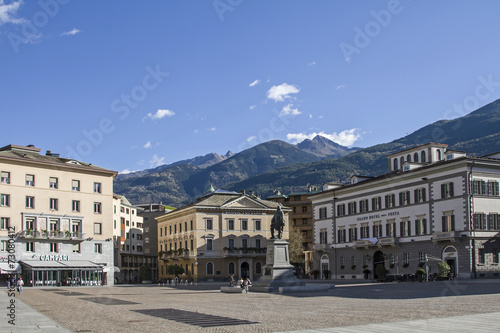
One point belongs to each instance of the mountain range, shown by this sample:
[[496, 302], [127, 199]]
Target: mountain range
[[278, 165]]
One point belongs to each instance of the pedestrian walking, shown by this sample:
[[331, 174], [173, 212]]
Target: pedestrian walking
[[20, 284], [246, 284], [8, 281], [231, 280]]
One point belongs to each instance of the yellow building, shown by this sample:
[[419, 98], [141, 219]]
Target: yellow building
[[220, 234], [56, 218]]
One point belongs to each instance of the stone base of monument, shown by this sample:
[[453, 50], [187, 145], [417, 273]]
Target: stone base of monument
[[278, 272]]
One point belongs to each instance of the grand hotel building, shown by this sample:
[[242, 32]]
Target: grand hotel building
[[56, 219], [433, 205]]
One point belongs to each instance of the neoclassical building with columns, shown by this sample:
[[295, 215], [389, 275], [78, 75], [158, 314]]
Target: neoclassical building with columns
[[433, 205], [220, 234]]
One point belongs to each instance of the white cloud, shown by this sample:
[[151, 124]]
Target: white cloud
[[340, 87], [195, 131], [72, 32], [212, 129], [312, 63], [250, 138], [147, 145], [7, 11], [254, 83], [289, 111], [160, 114], [126, 171], [252, 107], [310, 116], [279, 93], [345, 138], [156, 161]]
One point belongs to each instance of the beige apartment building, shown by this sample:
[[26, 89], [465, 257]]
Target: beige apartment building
[[220, 234], [56, 219]]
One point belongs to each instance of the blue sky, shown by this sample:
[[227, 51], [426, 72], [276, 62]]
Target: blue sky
[[130, 85]]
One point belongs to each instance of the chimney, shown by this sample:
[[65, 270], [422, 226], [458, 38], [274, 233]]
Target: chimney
[[242, 191]]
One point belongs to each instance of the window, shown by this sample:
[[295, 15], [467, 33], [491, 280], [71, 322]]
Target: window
[[366, 260], [406, 258], [210, 244], [420, 227], [377, 230], [365, 231], [75, 185], [192, 245], [390, 200], [351, 207], [231, 268], [479, 221], [191, 222], [244, 224], [322, 213], [30, 180], [97, 187], [244, 243], [304, 221], [341, 210], [415, 157], [481, 256], [230, 243], [448, 223], [304, 209], [258, 267], [186, 226], [97, 207], [30, 246], [30, 202], [493, 221], [495, 256], [180, 227], [53, 247], [363, 206], [98, 248], [53, 204], [421, 257], [390, 229], [30, 223], [230, 224], [258, 243], [210, 268], [420, 195], [341, 235], [376, 203], [493, 188], [257, 225], [4, 223], [404, 198], [53, 182], [97, 228], [209, 224], [353, 234], [4, 246], [405, 228], [423, 157], [447, 190], [408, 158], [5, 200], [322, 236], [479, 187], [395, 164], [5, 177], [75, 206]]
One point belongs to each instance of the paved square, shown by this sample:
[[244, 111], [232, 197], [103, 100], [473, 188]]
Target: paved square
[[344, 306]]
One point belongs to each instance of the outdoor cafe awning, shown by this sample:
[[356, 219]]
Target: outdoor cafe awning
[[6, 268]]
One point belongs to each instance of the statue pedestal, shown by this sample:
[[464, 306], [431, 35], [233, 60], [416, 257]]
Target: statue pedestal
[[278, 272]]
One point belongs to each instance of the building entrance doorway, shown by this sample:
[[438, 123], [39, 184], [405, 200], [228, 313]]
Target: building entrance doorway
[[450, 256], [378, 259], [245, 270]]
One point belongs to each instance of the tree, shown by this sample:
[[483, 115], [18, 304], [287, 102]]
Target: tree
[[295, 247], [175, 269]]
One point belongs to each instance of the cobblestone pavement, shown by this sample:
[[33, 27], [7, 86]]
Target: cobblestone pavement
[[128, 308]]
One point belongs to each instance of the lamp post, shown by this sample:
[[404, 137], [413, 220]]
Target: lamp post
[[196, 275]]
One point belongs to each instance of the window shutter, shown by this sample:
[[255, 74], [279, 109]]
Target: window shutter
[[452, 192], [425, 226], [443, 221], [415, 195], [452, 223], [386, 201], [417, 227], [423, 195], [409, 228], [442, 191], [400, 198], [401, 225], [355, 233]]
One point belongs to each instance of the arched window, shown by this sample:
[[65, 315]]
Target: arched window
[[187, 271], [395, 164], [422, 154], [231, 268], [192, 268], [258, 268], [408, 158], [401, 161], [210, 268], [438, 153], [415, 157]]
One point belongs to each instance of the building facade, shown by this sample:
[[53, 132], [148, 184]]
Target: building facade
[[56, 218], [434, 205], [220, 234]]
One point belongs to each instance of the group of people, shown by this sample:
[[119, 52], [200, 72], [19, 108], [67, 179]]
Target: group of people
[[16, 282], [244, 284]]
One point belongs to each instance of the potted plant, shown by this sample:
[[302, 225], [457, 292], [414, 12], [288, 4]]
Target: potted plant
[[366, 272], [315, 273], [420, 274], [421, 264], [326, 272], [406, 265], [391, 266], [342, 266], [381, 272], [443, 270], [353, 267]]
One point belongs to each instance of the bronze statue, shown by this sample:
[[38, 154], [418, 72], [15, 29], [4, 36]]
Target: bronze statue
[[277, 223]]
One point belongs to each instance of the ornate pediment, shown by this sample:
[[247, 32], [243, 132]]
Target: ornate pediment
[[244, 202]]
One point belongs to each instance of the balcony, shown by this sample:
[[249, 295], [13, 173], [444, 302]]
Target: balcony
[[53, 235], [363, 243], [320, 247], [176, 254], [244, 252], [388, 241], [447, 236]]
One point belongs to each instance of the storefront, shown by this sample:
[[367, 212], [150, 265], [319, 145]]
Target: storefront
[[62, 273], [8, 269]]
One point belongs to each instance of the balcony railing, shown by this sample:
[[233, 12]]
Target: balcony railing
[[388, 241], [56, 235], [244, 252], [447, 236], [362, 243]]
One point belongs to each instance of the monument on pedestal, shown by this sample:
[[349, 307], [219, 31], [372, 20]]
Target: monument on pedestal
[[278, 272]]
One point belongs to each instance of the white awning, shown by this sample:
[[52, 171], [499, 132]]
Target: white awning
[[6, 268]]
